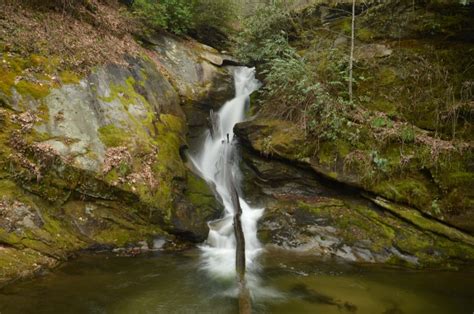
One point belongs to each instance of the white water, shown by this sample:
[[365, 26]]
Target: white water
[[216, 160]]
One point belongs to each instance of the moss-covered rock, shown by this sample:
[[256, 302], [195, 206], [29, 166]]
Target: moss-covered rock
[[412, 176], [195, 209], [94, 161], [314, 216], [407, 135]]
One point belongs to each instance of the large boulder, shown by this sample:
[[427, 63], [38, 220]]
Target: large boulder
[[96, 161]]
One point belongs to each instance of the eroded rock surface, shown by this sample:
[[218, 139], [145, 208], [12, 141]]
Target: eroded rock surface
[[95, 162], [312, 215]]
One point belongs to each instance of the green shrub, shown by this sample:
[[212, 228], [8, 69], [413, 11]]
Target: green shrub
[[379, 162], [265, 29], [407, 135], [181, 16], [291, 90], [172, 15], [215, 14]]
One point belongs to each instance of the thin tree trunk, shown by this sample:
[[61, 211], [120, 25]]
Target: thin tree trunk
[[245, 304], [351, 60]]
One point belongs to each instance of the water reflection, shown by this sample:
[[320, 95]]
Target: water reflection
[[172, 283]]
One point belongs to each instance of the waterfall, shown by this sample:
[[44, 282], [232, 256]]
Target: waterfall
[[216, 160]]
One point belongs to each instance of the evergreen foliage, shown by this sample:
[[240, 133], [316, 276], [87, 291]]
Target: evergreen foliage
[[182, 16], [292, 90]]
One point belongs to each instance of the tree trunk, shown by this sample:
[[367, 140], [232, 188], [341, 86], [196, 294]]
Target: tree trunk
[[245, 305], [351, 60], [239, 235]]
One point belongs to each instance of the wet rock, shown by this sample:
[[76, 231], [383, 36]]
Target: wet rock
[[194, 211], [16, 264], [319, 218], [355, 233]]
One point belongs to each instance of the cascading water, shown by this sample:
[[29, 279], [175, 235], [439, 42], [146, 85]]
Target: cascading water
[[216, 161]]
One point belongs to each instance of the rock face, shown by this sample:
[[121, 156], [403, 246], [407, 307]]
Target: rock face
[[397, 141], [198, 75], [307, 211], [95, 162], [433, 176]]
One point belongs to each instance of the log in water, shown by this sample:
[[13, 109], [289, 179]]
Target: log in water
[[244, 294], [232, 245]]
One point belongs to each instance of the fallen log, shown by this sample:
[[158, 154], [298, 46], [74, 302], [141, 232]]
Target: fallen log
[[245, 304]]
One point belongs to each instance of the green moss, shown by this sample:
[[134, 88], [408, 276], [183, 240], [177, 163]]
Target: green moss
[[125, 92], [343, 148], [10, 238], [169, 139], [407, 135], [382, 104], [346, 26], [112, 136], [36, 83], [459, 179], [68, 77], [63, 233], [353, 222], [36, 90], [364, 34], [405, 190], [116, 236], [10, 190], [200, 195], [7, 81], [42, 112], [112, 176], [386, 76], [416, 218], [326, 155], [172, 123], [414, 242], [20, 263], [38, 61], [380, 122]]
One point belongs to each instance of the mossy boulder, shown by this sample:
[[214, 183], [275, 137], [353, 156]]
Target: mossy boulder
[[192, 212], [94, 160]]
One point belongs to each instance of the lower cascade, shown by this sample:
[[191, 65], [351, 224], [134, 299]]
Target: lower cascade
[[217, 163]]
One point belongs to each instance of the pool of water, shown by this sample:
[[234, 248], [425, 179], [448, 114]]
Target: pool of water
[[288, 283]]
